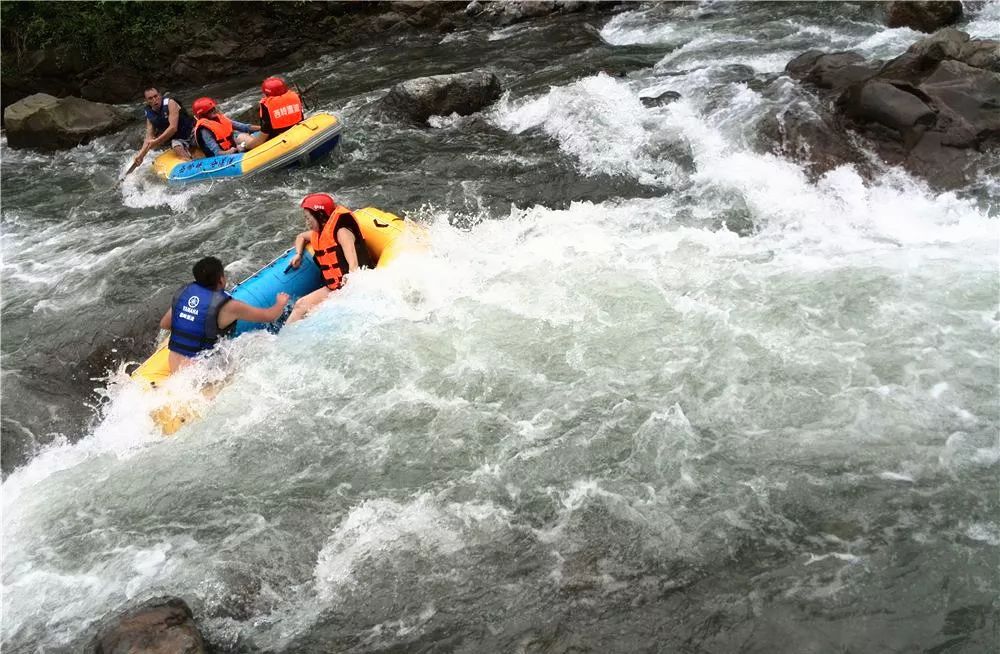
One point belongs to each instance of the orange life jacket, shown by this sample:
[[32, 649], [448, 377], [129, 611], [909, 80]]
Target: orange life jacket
[[327, 251], [283, 110], [222, 128]]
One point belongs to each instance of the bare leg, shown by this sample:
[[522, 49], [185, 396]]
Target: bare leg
[[182, 152], [306, 303], [253, 141]]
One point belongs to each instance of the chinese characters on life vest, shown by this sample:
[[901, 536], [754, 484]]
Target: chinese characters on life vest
[[284, 111]]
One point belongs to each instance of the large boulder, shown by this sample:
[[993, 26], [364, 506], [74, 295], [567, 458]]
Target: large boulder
[[835, 70], [443, 95], [163, 625], [933, 110], [923, 16], [49, 123]]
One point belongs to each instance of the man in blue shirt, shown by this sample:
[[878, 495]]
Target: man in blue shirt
[[166, 121]]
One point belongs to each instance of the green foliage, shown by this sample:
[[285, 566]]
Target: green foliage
[[99, 32]]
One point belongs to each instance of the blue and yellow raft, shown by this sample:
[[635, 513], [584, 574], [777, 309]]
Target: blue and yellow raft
[[309, 141], [386, 236]]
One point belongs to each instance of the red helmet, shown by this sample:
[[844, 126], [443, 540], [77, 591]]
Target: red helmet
[[202, 106], [274, 86], [319, 202]]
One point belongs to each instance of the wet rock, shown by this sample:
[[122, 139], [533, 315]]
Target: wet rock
[[923, 16], [163, 625], [664, 98], [816, 139], [234, 593], [897, 106], [955, 44], [836, 70], [46, 122], [933, 109], [443, 95]]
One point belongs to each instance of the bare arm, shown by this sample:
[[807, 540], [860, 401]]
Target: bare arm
[[300, 244], [165, 321], [236, 310], [346, 239]]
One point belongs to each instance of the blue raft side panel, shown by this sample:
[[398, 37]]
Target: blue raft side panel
[[231, 165], [228, 165], [260, 289]]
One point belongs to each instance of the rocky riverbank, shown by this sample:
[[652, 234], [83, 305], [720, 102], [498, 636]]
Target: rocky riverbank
[[268, 34]]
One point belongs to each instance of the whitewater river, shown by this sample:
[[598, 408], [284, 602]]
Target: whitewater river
[[590, 418]]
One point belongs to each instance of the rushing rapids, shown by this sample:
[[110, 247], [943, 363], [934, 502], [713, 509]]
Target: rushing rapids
[[649, 387]]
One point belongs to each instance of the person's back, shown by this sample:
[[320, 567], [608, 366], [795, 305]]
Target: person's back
[[280, 108], [201, 312]]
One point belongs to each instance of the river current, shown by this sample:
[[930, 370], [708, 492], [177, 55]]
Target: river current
[[589, 418]]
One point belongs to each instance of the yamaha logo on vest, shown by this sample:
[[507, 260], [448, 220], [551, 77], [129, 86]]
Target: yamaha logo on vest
[[193, 302]]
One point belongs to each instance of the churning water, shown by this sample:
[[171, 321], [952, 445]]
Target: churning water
[[590, 418]]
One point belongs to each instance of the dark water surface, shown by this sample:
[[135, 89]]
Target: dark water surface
[[590, 418]]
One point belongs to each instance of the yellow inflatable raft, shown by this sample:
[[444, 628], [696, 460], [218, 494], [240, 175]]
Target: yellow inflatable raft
[[309, 141], [386, 236]]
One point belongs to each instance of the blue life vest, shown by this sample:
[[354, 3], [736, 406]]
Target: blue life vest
[[194, 321], [160, 120]]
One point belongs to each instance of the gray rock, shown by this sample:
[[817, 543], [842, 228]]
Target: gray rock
[[664, 98], [923, 16], [934, 110], [163, 625], [836, 70], [897, 106], [49, 123], [955, 44], [970, 100], [443, 95]]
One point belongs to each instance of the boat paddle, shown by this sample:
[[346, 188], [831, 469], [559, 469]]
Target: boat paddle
[[135, 164], [302, 93]]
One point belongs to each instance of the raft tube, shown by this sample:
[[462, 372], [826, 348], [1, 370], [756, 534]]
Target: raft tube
[[385, 234], [306, 143]]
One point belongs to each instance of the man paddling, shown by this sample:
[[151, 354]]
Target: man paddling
[[166, 120], [202, 312]]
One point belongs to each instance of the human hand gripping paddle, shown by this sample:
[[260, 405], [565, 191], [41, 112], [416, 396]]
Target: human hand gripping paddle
[[135, 164]]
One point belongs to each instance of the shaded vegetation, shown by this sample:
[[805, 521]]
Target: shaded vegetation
[[96, 32]]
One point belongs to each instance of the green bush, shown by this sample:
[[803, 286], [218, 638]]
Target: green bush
[[100, 32]]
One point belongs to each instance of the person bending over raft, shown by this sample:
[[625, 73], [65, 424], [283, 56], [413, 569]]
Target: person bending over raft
[[166, 120], [338, 247], [202, 311], [280, 110], [216, 134]]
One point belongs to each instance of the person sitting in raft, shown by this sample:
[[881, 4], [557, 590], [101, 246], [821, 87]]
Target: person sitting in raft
[[166, 120], [280, 110], [338, 248], [202, 311], [216, 134]]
